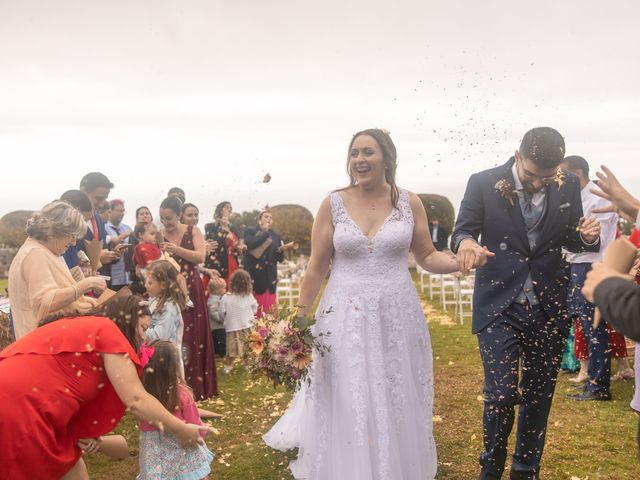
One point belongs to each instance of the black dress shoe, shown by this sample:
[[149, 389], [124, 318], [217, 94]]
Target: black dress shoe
[[591, 396], [577, 386]]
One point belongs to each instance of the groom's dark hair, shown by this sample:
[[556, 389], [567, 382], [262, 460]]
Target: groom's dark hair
[[544, 146]]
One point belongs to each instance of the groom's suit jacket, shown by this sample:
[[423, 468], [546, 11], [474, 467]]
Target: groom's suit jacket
[[487, 215]]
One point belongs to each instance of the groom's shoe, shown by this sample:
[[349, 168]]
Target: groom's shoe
[[591, 396]]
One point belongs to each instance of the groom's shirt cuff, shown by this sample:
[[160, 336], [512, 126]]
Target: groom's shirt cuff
[[460, 238]]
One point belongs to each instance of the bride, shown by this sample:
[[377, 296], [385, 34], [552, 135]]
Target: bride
[[366, 414]]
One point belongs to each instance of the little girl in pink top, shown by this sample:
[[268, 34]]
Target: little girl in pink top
[[161, 455]]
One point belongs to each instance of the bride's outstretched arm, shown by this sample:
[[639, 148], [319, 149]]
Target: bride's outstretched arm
[[321, 253], [422, 246]]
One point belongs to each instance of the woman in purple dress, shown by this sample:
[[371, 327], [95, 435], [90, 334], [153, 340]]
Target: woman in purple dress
[[186, 244]]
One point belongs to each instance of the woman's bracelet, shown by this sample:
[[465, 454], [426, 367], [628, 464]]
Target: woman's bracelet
[[75, 289]]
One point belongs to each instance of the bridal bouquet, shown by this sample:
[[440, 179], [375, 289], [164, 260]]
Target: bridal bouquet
[[280, 347]]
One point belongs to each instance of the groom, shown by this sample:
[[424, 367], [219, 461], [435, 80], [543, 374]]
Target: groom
[[524, 212]]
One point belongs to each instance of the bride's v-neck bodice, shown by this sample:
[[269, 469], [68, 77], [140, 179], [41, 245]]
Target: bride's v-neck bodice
[[364, 260]]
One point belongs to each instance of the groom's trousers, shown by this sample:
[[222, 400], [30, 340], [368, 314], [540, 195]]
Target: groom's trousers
[[521, 343]]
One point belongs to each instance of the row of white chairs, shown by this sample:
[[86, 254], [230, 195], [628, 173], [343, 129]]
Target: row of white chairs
[[452, 290], [288, 288]]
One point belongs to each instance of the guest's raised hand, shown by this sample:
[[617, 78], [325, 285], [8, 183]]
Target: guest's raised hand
[[210, 246], [169, 247], [589, 229], [621, 200], [108, 256]]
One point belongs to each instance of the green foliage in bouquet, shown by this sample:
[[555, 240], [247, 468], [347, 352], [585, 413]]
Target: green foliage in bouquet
[[280, 347]]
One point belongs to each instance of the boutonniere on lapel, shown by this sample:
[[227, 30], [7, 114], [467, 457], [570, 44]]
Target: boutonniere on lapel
[[560, 176], [506, 189]]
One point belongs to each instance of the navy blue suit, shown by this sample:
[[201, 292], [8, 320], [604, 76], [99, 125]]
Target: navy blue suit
[[263, 270], [519, 335]]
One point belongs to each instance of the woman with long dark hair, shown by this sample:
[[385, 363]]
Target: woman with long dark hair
[[223, 243], [367, 412], [186, 244], [72, 379]]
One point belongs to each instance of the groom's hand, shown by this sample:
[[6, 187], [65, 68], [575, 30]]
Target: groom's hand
[[471, 255]]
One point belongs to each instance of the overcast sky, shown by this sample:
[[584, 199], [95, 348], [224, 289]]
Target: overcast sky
[[211, 95]]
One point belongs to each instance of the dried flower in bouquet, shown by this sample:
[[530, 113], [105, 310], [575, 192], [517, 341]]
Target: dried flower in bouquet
[[280, 347]]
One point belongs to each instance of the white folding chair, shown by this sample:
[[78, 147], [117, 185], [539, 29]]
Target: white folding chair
[[465, 298], [449, 285], [435, 283], [284, 291], [423, 275]]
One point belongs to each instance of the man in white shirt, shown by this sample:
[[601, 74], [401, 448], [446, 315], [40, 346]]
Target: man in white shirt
[[118, 234], [617, 298], [599, 364]]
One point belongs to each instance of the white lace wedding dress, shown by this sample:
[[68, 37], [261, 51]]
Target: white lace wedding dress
[[367, 414]]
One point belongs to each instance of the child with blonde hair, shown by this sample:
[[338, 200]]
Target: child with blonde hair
[[237, 308], [166, 302], [217, 288]]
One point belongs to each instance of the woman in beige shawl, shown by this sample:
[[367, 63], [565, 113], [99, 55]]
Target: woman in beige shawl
[[39, 281]]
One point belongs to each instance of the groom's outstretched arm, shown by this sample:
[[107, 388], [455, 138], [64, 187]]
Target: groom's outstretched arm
[[471, 214], [464, 242]]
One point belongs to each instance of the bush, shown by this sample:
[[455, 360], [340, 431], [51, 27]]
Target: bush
[[293, 223], [439, 207], [241, 221], [13, 228]]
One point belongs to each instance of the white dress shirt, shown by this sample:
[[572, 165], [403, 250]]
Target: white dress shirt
[[608, 225]]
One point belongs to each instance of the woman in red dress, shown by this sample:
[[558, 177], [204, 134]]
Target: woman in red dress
[[186, 245], [72, 379]]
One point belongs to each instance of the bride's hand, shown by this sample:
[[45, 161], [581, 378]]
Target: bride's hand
[[472, 255]]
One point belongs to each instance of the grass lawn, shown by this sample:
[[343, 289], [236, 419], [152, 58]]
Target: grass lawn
[[3, 285], [594, 441]]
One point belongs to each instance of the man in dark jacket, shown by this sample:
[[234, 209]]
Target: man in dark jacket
[[264, 251], [439, 236], [524, 212]]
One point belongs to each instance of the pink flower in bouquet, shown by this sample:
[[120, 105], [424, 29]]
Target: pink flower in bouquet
[[283, 351], [264, 332], [297, 347], [295, 374]]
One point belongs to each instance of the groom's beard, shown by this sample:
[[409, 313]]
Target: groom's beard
[[529, 188]]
